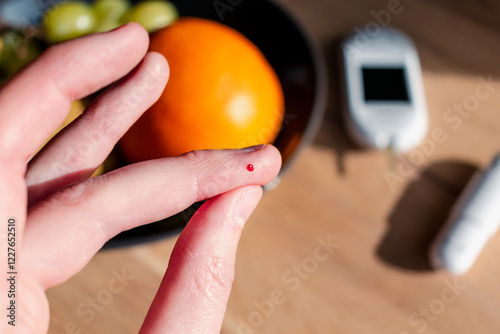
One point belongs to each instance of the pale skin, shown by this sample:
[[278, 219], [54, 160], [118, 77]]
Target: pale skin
[[63, 217]]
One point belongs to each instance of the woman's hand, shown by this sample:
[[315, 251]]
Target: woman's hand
[[63, 217]]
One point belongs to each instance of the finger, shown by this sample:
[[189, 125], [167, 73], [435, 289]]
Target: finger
[[81, 147], [34, 103], [82, 217], [200, 273]]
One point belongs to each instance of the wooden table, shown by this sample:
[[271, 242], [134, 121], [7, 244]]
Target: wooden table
[[377, 278]]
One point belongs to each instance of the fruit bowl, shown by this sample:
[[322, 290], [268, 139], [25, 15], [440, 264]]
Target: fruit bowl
[[299, 65]]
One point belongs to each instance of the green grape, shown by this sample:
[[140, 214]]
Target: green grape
[[109, 13], [106, 25], [111, 10], [68, 20], [16, 51], [152, 15]]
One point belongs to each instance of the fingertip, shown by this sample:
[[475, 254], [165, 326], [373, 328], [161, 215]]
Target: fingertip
[[131, 37], [159, 64], [268, 160], [133, 31], [246, 202], [217, 171], [274, 157]]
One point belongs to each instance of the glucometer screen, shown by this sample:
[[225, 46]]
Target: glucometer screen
[[385, 84]]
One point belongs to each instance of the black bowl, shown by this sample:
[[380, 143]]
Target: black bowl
[[300, 67]]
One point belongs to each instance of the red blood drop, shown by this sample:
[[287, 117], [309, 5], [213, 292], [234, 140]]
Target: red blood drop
[[250, 168]]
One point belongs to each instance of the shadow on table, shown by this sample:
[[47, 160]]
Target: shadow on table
[[421, 212]]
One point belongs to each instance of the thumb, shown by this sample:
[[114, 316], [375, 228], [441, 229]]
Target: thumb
[[195, 289]]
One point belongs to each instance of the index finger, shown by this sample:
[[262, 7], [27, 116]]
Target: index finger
[[34, 103]]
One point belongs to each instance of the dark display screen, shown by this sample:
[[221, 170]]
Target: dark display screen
[[385, 84]]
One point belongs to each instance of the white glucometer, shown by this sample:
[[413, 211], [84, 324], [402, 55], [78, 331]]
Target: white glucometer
[[474, 219], [385, 103]]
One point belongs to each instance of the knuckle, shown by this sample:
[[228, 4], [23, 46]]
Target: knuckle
[[74, 194], [197, 163], [194, 159], [210, 174], [214, 279]]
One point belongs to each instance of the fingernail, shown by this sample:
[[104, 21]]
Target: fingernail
[[252, 148], [245, 204]]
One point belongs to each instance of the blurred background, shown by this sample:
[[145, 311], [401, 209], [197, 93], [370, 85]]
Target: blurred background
[[336, 247]]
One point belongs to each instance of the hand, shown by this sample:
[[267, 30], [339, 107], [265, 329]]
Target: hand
[[63, 217]]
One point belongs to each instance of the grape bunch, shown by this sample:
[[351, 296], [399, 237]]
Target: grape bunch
[[77, 18], [71, 19], [16, 51]]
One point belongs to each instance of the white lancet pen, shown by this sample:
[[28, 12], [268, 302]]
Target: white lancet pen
[[474, 219]]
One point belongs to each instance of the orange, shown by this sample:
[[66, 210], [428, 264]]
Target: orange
[[222, 93]]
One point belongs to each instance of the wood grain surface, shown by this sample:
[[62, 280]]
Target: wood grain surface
[[376, 279]]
